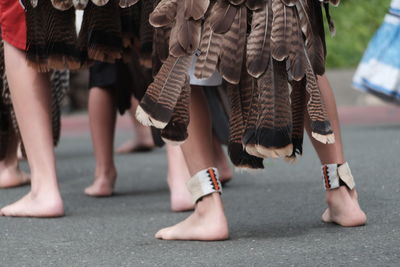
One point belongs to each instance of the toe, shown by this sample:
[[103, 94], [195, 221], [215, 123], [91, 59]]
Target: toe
[[326, 217], [163, 233]]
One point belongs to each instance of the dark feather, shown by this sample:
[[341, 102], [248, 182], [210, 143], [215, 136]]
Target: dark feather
[[80, 4], [281, 30], [210, 48], [157, 105], [100, 2], [256, 4], [296, 62], [176, 130], [258, 41], [62, 4], [232, 48], [127, 3], [164, 13], [195, 9], [223, 16]]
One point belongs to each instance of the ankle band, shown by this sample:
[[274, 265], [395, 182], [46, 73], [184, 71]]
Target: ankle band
[[336, 175], [204, 183]]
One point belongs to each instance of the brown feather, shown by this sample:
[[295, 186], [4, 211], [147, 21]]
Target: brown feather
[[296, 61], [80, 4], [62, 4], [298, 103], [189, 35], [210, 48], [100, 2], [258, 41], [127, 3], [176, 130], [164, 13], [241, 97], [237, 2], [320, 125], [274, 124], [281, 30], [223, 16], [195, 9], [157, 105], [256, 4], [233, 47]]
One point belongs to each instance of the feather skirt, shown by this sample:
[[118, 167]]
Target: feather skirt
[[269, 53]]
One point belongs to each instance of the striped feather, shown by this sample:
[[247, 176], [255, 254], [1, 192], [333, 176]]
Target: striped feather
[[241, 96], [189, 35], [223, 16], [281, 30], [157, 105], [320, 125], [258, 41], [176, 130], [164, 13], [233, 47], [256, 4], [274, 124], [210, 48], [296, 62], [195, 9]]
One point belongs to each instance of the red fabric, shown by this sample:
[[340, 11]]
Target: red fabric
[[13, 25]]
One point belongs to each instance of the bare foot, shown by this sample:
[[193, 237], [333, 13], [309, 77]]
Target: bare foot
[[134, 145], [222, 163], [103, 185], [181, 199], [12, 177], [207, 223], [225, 170], [343, 208], [42, 205]]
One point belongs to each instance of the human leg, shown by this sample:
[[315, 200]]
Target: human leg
[[10, 173], [31, 98], [102, 114], [208, 221], [142, 139], [343, 207]]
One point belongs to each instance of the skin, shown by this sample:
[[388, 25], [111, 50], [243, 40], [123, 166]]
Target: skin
[[208, 221], [10, 173], [343, 207], [102, 115], [31, 98]]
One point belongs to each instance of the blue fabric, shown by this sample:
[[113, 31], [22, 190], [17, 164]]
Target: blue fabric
[[383, 52]]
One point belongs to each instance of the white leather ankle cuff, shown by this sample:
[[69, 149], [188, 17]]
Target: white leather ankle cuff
[[335, 175], [204, 183]]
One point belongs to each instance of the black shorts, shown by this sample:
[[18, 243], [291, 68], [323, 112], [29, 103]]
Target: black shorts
[[116, 78]]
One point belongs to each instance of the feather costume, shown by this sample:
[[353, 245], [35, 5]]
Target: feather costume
[[268, 51], [53, 43]]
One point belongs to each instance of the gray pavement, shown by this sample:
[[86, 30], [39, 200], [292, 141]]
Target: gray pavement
[[274, 215]]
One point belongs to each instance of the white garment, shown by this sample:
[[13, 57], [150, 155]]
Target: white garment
[[214, 80]]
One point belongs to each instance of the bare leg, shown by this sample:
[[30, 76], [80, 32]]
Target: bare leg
[[142, 139], [208, 221], [102, 114], [221, 161], [30, 93], [178, 175], [343, 207], [10, 173]]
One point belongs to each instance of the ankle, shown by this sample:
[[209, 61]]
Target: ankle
[[209, 204], [106, 172]]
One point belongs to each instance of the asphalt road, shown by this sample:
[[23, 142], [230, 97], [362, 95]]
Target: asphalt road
[[274, 215]]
